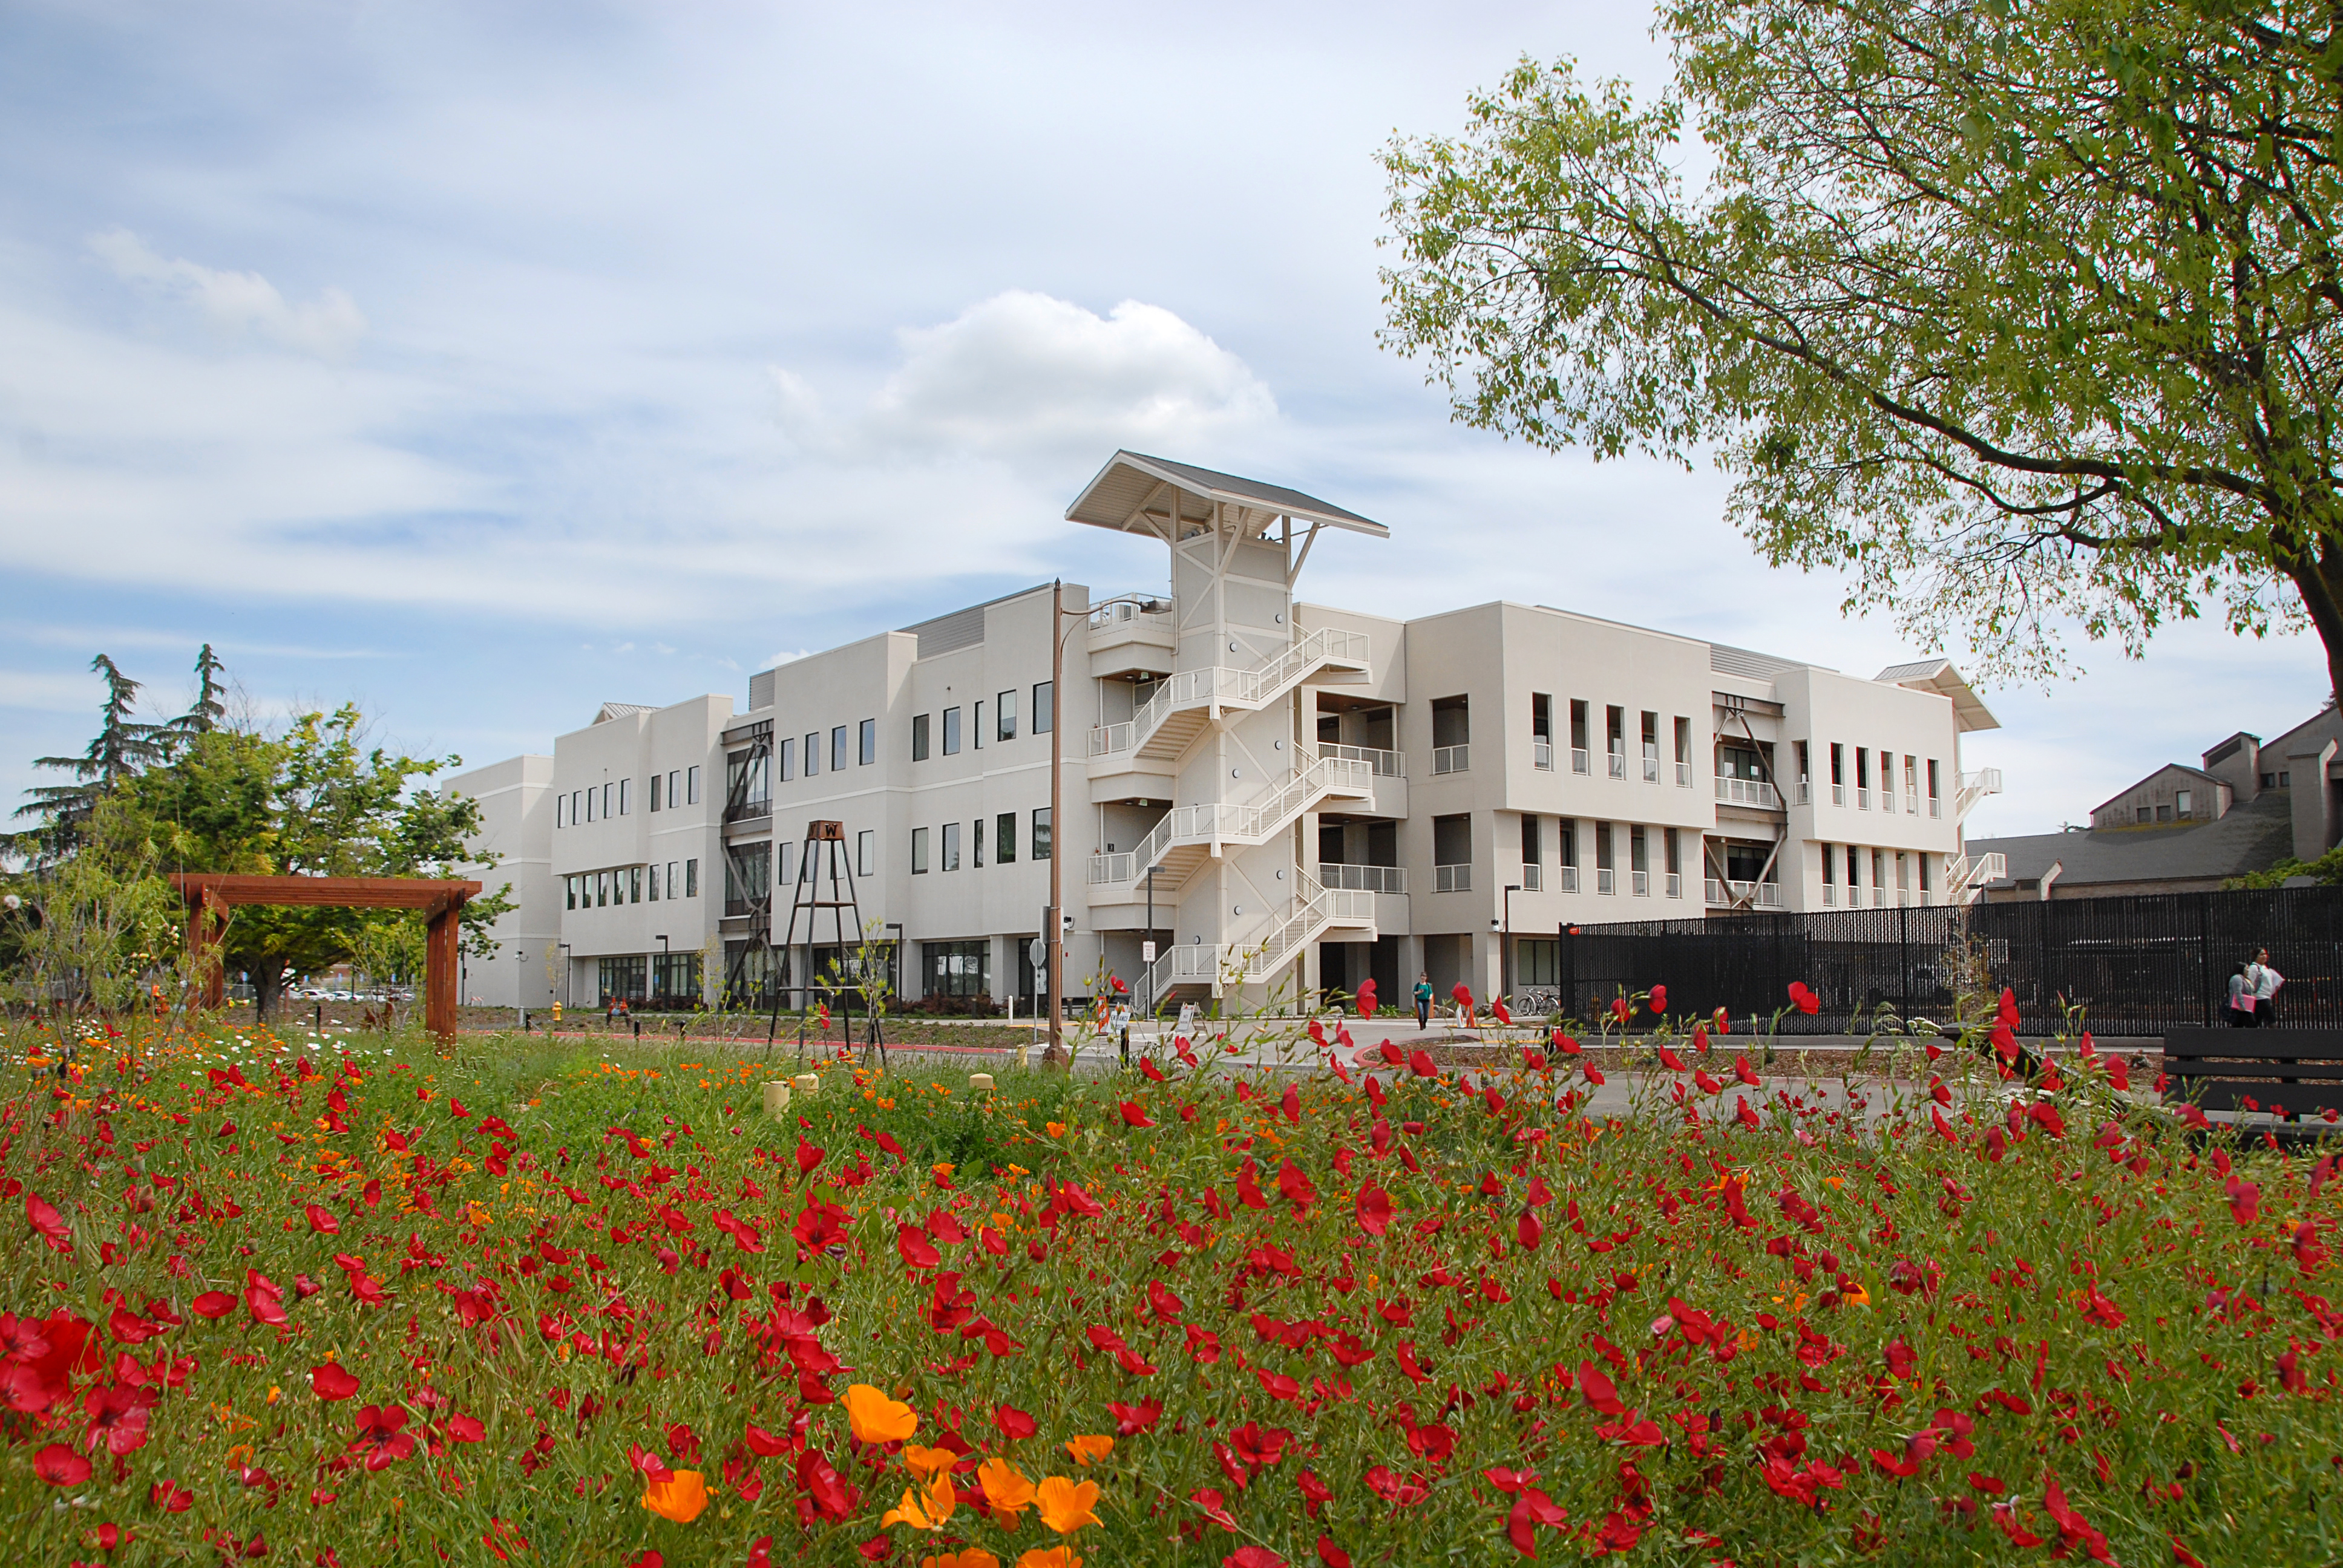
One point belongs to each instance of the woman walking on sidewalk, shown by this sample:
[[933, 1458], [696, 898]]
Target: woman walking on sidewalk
[[1422, 1001]]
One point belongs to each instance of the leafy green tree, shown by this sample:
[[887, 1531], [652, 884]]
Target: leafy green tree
[[123, 746], [2327, 871], [313, 801], [2015, 313]]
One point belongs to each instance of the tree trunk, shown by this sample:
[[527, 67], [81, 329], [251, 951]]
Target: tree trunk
[[2318, 577], [267, 985]]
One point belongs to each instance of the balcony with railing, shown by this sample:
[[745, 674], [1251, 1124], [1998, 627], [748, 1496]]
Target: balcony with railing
[[1580, 762], [1382, 764], [1569, 882], [1532, 878], [1451, 759], [1606, 880], [1453, 879], [1684, 775], [1541, 753], [1618, 765], [1747, 792], [1639, 884], [1340, 876], [1763, 895]]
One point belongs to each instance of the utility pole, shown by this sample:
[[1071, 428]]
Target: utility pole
[[1055, 935]]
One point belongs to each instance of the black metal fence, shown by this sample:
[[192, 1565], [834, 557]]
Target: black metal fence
[[2134, 965]]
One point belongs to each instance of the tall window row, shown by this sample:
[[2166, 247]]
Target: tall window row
[[942, 848], [616, 798], [1876, 779], [1855, 875], [631, 884], [947, 731]]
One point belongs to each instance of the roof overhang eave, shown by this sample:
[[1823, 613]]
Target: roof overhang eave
[[1085, 510]]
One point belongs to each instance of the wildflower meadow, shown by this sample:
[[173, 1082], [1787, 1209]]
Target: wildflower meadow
[[338, 1300]]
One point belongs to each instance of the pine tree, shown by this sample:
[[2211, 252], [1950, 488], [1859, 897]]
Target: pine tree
[[123, 747], [205, 715]]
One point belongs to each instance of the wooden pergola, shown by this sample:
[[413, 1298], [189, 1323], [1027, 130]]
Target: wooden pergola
[[209, 893]]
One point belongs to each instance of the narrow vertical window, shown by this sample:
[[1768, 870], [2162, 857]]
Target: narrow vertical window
[[813, 754], [837, 749], [785, 873], [562, 810], [788, 757], [919, 852], [692, 876], [919, 738], [952, 731], [866, 853], [975, 730], [976, 843], [625, 787], [1004, 841], [674, 882], [870, 742], [691, 786], [1042, 833], [1045, 706], [951, 847], [656, 781], [1004, 712], [655, 883]]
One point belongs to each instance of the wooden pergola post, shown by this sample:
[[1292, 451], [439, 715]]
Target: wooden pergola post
[[442, 902]]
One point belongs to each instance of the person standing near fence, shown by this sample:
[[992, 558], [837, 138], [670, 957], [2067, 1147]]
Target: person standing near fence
[[2241, 998], [2267, 984]]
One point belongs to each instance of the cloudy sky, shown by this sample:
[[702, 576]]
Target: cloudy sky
[[484, 362]]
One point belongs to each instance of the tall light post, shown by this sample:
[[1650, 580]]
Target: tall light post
[[1056, 935], [1505, 947], [563, 948], [665, 967]]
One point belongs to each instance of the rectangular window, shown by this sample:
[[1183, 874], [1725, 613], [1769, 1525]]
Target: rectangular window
[[1651, 748], [1577, 724], [1569, 845], [656, 782], [1042, 833], [951, 847], [569, 892], [589, 798], [1830, 870], [1602, 847], [609, 800], [634, 884], [2181, 801], [691, 877], [1537, 961], [813, 755], [1923, 877], [691, 786], [1861, 767], [674, 785], [562, 810], [1854, 867], [655, 884], [976, 843], [625, 787], [866, 853], [837, 749], [1935, 790], [959, 968], [601, 890], [788, 757], [1838, 765], [1675, 863], [1004, 840], [870, 742], [952, 731], [1540, 716], [1532, 852], [975, 730], [785, 867], [919, 738], [1004, 711], [1045, 706], [919, 852], [1637, 857], [674, 882]]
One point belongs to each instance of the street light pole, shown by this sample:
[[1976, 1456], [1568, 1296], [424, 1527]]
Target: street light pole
[[563, 948], [1055, 937], [1505, 947]]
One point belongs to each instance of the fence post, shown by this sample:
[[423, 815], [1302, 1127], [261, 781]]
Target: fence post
[[2205, 961], [1904, 961]]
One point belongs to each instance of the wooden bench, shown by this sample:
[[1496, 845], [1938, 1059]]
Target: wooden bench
[[2293, 1074]]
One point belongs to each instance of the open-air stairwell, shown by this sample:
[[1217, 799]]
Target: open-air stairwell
[[1177, 712], [1186, 835], [1316, 909], [1966, 875]]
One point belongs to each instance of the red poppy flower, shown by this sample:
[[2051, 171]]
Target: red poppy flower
[[1804, 998], [60, 1466], [332, 1381], [1135, 1115], [1013, 1423], [1659, 999], [47, 1224]]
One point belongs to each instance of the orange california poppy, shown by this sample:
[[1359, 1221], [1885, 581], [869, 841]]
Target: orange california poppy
[[923, 1462], [875, 1418], [1066, 1505], [1090, 1449], [680, 1497], [965, 1557], [1050, 1557], [924, 1512], [1008, 1492]]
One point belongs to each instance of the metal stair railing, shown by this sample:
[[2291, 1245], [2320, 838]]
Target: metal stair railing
[[1974, 788], [1232, 687]]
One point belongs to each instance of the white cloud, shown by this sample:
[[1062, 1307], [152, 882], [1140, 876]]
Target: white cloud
[[236, 303], [1023, 375]]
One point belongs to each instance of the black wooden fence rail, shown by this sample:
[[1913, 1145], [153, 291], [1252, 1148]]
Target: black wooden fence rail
[[2134, 965]]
